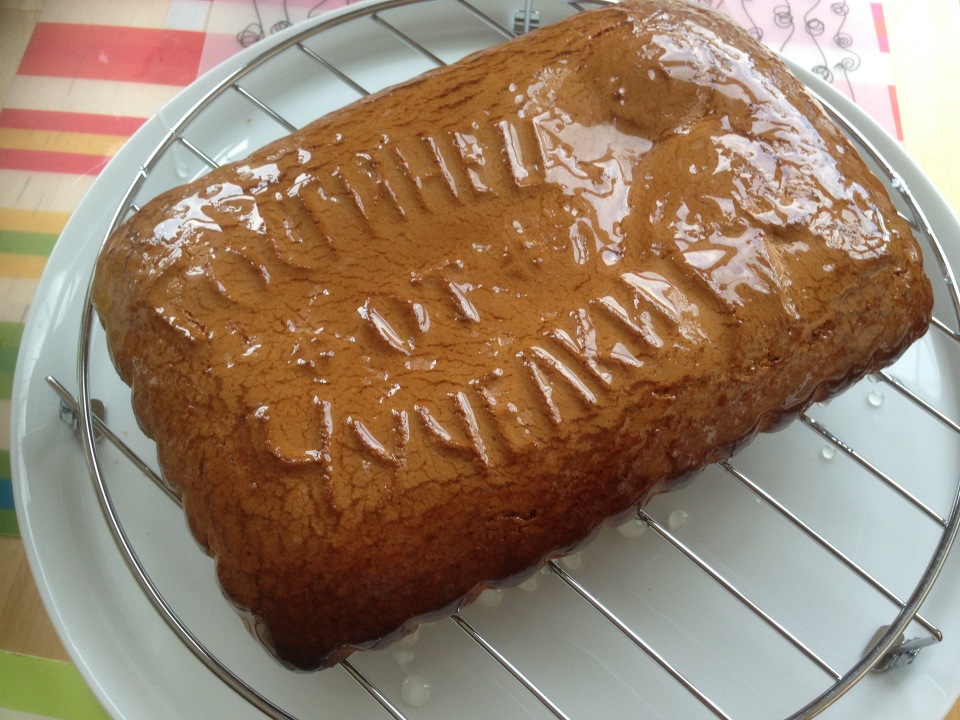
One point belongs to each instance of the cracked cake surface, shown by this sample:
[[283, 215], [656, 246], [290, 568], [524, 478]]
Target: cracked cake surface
[[438, 336]]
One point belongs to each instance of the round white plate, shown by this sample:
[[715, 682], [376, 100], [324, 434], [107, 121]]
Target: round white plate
[[139, 669]]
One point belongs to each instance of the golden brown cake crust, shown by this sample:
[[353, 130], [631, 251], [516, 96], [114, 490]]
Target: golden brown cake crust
[[444, 333]]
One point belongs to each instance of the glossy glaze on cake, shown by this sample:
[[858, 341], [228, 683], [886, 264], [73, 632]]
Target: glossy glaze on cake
[[444, 333]]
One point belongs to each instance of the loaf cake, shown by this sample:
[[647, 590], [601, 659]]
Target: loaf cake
[[443, 334]]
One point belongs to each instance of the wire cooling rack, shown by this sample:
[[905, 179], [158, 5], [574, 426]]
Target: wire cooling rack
[[821, 626]]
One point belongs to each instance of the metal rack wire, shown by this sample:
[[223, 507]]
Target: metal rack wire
[[888, 647]]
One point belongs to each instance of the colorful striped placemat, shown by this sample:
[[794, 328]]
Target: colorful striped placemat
[[39, 689]]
